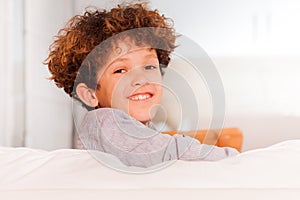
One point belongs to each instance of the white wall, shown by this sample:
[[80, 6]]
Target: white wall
[[238, 27], [262, 98]]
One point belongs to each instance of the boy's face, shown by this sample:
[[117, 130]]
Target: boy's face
[[131, 81]]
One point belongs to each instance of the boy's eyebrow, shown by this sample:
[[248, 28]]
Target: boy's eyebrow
[[125, 59], [151, 56], [118, 60]]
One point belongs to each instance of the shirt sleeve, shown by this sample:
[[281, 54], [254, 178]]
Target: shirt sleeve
[[114, 132]]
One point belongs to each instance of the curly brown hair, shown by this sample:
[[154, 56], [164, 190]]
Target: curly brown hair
[[84, 33]]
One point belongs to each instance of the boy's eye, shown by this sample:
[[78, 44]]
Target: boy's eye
[[120, 71], [150, 67]]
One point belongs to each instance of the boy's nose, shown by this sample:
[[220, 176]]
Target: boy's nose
[[138, 78]]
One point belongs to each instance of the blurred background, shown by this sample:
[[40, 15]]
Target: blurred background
[[253, 44]]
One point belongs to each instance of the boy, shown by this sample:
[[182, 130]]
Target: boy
[[113, 62]]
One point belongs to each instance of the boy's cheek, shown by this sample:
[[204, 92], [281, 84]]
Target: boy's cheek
[[159, 95], [155, 76]]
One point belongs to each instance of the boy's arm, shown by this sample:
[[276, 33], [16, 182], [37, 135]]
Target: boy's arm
[[191, 149], [113, 131], [226, 137]]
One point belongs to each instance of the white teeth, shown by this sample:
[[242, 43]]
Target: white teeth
[[140, 97]]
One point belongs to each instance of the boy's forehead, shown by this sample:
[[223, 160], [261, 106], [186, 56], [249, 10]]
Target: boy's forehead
[[124, 48]]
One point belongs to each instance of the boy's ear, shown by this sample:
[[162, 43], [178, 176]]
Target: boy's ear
[[86, 95]]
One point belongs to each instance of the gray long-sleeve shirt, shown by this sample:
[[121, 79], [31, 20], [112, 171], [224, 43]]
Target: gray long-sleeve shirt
[[115, 132]]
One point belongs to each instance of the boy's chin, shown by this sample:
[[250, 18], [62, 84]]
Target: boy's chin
[[142, 118], [144, 115]]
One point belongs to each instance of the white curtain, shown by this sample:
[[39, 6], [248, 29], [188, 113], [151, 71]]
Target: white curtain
[[12, 86], [33, 111], [48, 113]]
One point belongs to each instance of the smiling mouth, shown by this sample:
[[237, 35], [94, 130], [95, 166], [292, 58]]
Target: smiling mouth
[[140, 97]]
